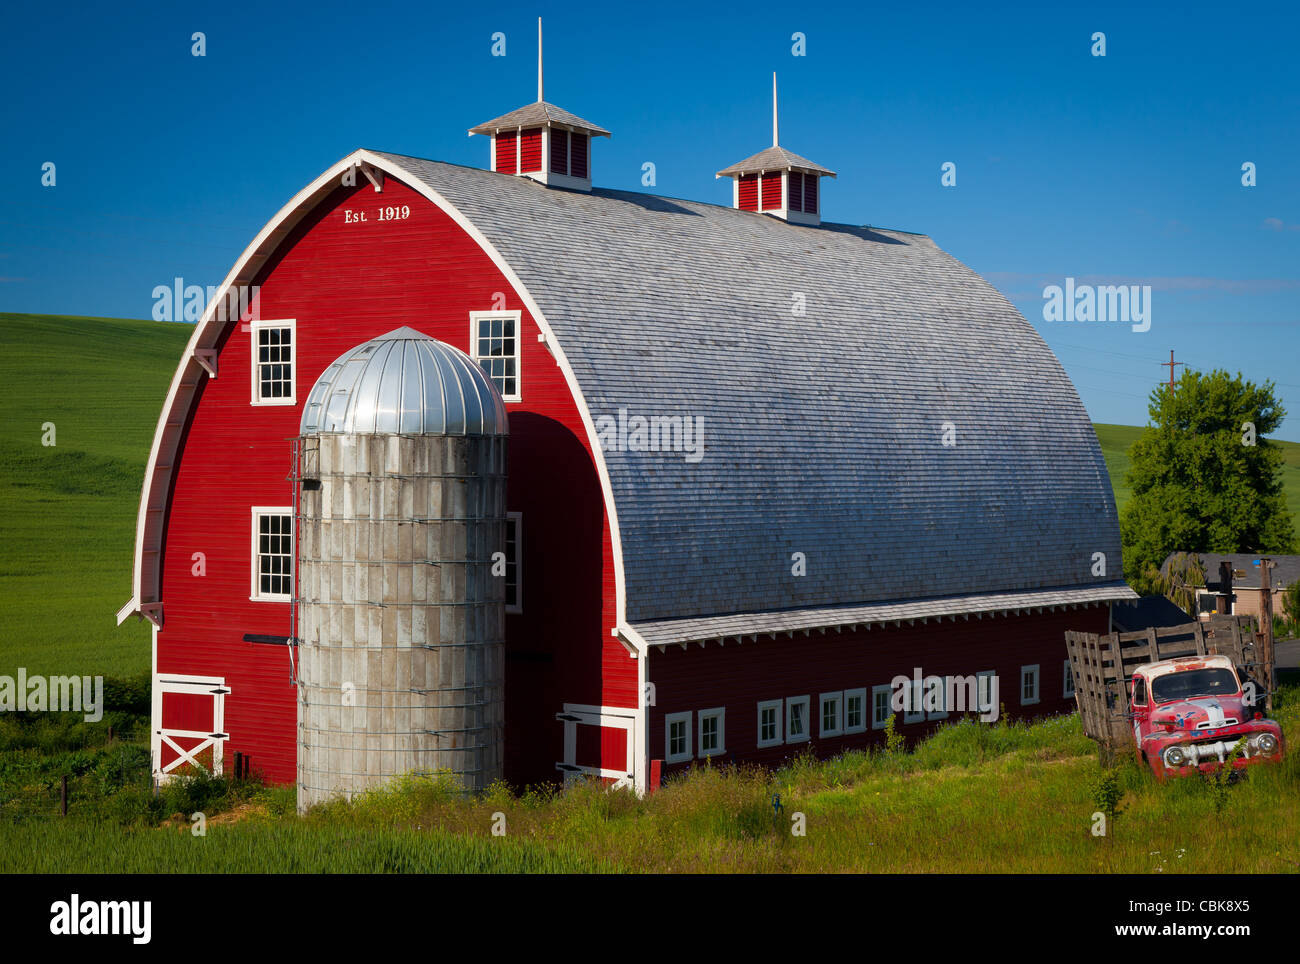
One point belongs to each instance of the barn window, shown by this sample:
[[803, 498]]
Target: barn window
[[985, 690], [832, 714], [769, 723], [936, 697], [747, 192], [855, 711], [514, 568], [677, 737], [273, 362], [530, 150], [506, 156], [796, 719], [772, 194], [913, 702], [712, 731], [272, 553], [494, 344], [881, 708], [569, 153], [1028, 684], [1067, 682]]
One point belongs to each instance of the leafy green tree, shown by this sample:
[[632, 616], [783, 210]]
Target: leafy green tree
[[1198, 486], [1291, 607]]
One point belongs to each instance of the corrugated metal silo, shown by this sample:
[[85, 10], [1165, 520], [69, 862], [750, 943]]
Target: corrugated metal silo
[[402, 458]]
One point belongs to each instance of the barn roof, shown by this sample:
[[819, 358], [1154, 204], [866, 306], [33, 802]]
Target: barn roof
[[825, 363], [828, 366]]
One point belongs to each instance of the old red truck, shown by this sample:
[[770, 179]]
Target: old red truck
[[1191, 713]]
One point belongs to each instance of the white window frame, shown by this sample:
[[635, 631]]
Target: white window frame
[[1024, 670], [517, 317], [669, 720], [876, 722], [860, 694], [1067, 682], [984, 691], [943, 697], [838, 728], [256, 588], [720, 714], [790, 702], [518, 519], [254, 329], [914, 706], [778, 706]]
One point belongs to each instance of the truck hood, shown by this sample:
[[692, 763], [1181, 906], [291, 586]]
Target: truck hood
[[1212, 711]]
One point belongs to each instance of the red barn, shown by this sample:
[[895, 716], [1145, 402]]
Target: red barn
[[760, 464]]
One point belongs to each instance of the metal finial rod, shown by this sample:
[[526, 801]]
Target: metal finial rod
[[539, 60], [774, 141]]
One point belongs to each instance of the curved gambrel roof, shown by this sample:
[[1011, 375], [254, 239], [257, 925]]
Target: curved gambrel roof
[[826, 364]]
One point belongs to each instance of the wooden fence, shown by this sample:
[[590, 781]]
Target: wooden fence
[[1104, 665]]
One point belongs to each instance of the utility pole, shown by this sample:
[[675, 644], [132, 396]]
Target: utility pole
[[1170, 365], [1266, 626]]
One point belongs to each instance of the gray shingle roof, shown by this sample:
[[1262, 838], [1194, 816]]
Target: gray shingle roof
[[536, 114], [1285, 571], [822, 430], [774, 159]]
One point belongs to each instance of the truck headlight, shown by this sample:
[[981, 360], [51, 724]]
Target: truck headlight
[[1266, 743], [1175, 756]]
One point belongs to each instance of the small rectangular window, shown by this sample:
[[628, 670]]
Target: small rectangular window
[[712, 732], [796, 191], [1028, 685], [272, 553], [1139, 691], [810, 193], [747, 192], [677, 737], [772, 195], [514, 562], [273, 362], [855, 711], [936, 697], [796, 719], [913, 702], [494, 344], [559, 151], [507, 152], [832, 714], [578, 155], [769, 723], [1067, 681], [530, 150], [881, 706]]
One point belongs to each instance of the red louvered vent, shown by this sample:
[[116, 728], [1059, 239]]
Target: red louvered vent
[[747, 188], [578, 162], [810, 193], [530, 150], [559, 151], [796, 191], [507, 145], [772, 191]]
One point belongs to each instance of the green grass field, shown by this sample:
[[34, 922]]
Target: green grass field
[[69, 510]]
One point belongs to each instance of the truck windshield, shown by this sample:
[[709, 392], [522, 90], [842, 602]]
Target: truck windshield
[[1194, 682]]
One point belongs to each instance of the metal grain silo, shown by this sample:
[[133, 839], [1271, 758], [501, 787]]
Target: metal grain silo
[[402, 459]]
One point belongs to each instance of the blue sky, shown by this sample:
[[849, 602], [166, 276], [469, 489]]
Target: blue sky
[[1118, 169]]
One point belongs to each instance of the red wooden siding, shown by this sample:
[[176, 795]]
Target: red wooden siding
[[747, 188], [772, 191], [530, 150], [796, 191], [507, 152], [344, 282], [578, 162], [739, 677], [559, 151]]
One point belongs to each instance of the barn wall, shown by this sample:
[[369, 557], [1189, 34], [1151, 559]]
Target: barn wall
[[739, 677], [344, 283]]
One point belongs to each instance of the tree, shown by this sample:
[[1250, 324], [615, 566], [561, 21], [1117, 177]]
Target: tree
[[1291, 607], [1179, 580], [1198, 484]]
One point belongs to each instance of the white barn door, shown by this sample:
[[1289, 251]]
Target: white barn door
[[598, 741]]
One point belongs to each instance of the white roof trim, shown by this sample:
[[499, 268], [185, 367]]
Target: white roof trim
[[180, 397]]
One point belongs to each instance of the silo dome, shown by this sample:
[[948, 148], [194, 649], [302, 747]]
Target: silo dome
[[404, 383]]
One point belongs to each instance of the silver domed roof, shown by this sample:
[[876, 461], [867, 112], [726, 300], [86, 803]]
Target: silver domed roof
[[404, 383]]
